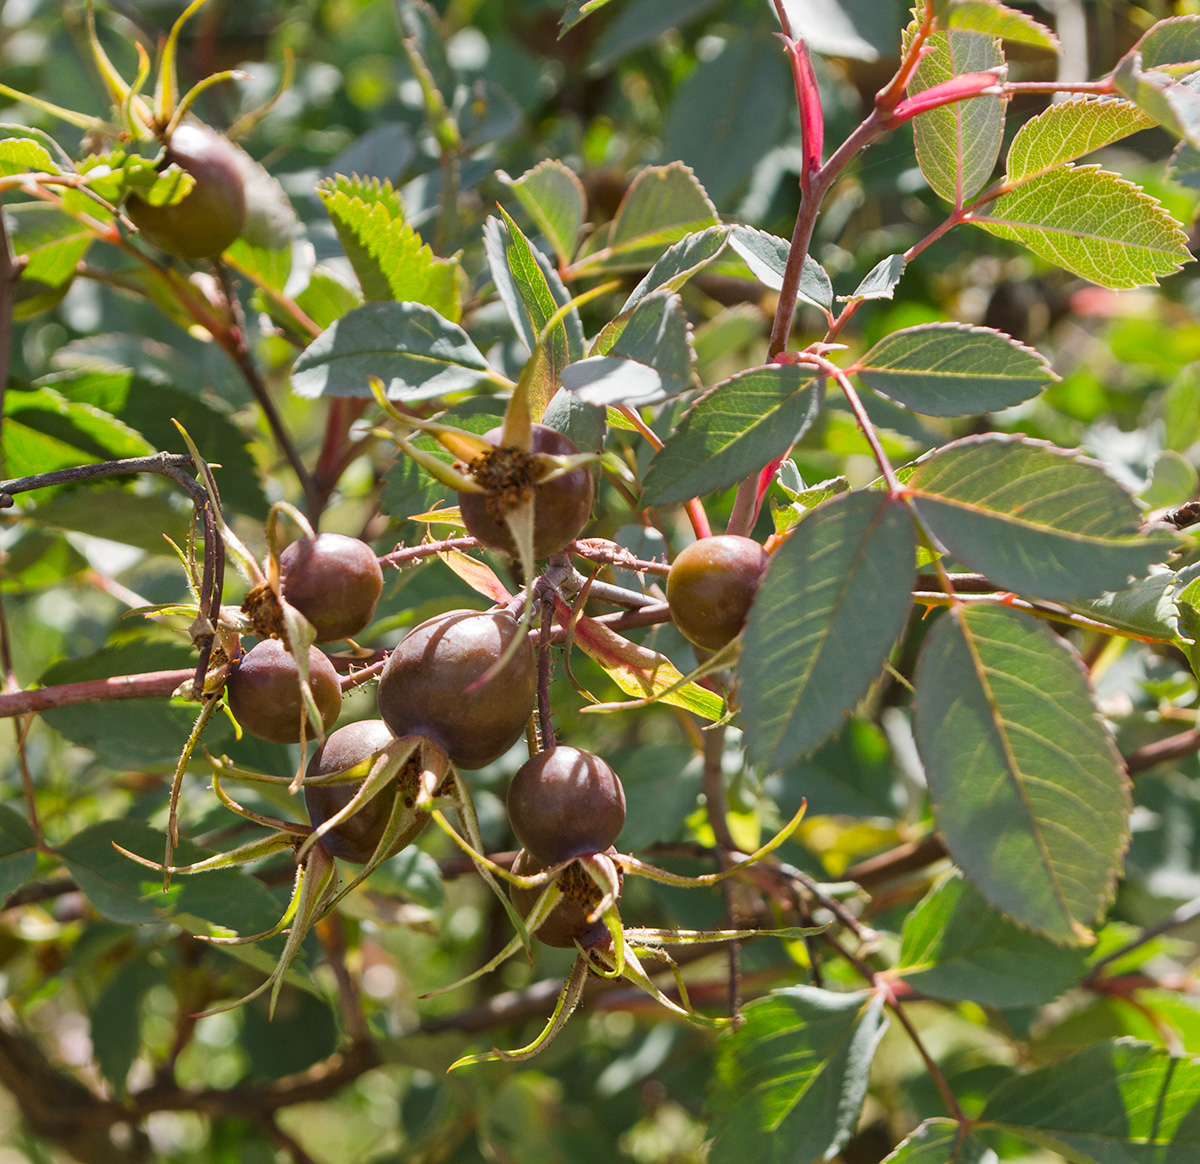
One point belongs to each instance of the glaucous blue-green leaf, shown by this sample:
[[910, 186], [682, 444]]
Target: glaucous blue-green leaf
[[655, 333], [417, 353], [387, 254], [832, 602], [1172, 45], [1091, 222], [766, 255], [879, 282], [1119, 1102], [643, 22], [687, 257], [729, 111], [941, 1141], [734, 430], [1173, 105], [1027, 786], [18, 851], [583, 423], [789, 1084], [1068, 130], [532, 294], [1034, 518], [1184, 166], [421, 24], [957, 144], [662, 205], [950, 369], [553, 196], [957, 947], [843, 30], [119, 889], [999, 20], [612, 380]]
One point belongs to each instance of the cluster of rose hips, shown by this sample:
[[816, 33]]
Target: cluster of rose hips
[[457, 692]]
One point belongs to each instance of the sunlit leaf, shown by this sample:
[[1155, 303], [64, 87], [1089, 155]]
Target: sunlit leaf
[[1068, 130], [553, 196], [941, 1142]]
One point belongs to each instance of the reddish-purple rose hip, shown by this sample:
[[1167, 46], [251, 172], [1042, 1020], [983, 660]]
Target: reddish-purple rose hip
[[561, 507], [334, 581], [565, 802], [423, 689], [263, 691]]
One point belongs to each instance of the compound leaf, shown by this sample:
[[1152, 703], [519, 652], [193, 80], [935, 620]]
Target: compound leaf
[[733, 431], [957, 144], [790, 1083], [957, 947], [1121, 1102], [553, 196], [1090, 222], [950, 369], [832, 602], [1027, 786], [417, 353], [1035, 519]]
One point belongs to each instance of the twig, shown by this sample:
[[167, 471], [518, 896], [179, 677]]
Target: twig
[[1181, 917], [233, 340], [897, 862], [402, 557], [148, 685], [1172, 748]]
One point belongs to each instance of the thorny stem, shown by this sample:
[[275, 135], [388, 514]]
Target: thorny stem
[[10, 272], [610, 554], [402, 557], [545, 722], [233, 340]]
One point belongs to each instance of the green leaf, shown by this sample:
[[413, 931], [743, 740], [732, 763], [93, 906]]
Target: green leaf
[[576, 11], [116, 1018], [734, 430], [1068, 130], [957, 947], [1176, 107], [52, 242], [789, 1085], [126, 732], [388, 256], [879, 282], [271, 248], [662, 205], [941, 1142], [1121, 1102], [766, 255], [834, 599], [1171, 45], [119, 889], [655, 333], [1090, 222], [950, 369], [1146, 607], [1034, 518], [553, 196], [1184, 166], [957, 144], [1000, 20], [22, 155], [532, 294], [149, 406], [121, 515], [18, 851], [1027, 786], [416, 352], [685, 259], [44, 431], [327, 298], [728, 112]]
